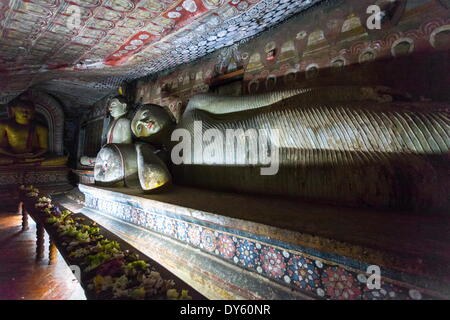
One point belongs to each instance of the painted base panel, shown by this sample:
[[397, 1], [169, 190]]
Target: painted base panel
[[228, 258]]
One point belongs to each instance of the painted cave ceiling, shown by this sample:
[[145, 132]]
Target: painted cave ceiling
[[84, 49]]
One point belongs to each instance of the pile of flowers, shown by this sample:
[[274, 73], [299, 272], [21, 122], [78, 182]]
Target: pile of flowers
[[108, 271], [30, 191]]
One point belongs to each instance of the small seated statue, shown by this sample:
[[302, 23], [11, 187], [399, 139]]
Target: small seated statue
[[119, 129], [24, 142]]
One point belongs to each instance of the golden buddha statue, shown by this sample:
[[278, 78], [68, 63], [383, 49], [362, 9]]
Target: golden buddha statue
[[22, 141]]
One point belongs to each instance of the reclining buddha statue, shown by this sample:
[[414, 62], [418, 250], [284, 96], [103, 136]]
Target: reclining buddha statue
[[119, 130], [24, 142], [346, 145]]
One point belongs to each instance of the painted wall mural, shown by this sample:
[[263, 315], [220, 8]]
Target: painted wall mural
[[329, 44], [79, 45]]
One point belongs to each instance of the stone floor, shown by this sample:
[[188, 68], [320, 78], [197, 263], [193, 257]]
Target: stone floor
[[21, 276]]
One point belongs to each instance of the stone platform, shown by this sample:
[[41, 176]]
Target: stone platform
[[242, 246], [85, 176]]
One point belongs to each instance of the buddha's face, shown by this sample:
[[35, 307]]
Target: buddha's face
[[116, 108], [146, 125], [149, 120], [23, 113]]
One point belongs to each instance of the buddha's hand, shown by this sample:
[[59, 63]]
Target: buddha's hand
[[40, 152], [7, 153], [29, 155], [25, 155], [33, 159]]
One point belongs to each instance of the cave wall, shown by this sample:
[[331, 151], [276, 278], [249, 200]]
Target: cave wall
[[91, 129], [329, 44]]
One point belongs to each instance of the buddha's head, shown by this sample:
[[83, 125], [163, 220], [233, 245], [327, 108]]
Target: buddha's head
[[23, 111], [152, 123], [117, 106]]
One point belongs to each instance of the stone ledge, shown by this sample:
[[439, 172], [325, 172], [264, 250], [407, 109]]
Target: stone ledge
[[211, 233]]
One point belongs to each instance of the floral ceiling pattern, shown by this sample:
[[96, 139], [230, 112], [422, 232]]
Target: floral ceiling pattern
[[86, 48]]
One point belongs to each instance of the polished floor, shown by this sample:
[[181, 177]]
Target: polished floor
[[24, 278]]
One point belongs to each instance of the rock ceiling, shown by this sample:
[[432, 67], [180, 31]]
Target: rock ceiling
[[86, 48]]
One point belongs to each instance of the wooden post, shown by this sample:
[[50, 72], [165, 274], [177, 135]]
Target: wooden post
[[40, 233], [21, 210], [52, 252]]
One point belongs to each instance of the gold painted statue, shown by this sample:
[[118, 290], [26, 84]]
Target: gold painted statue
[[23, 142]]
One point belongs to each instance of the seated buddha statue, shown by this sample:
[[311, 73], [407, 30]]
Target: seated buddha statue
[[119, 130], [24, 142]]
